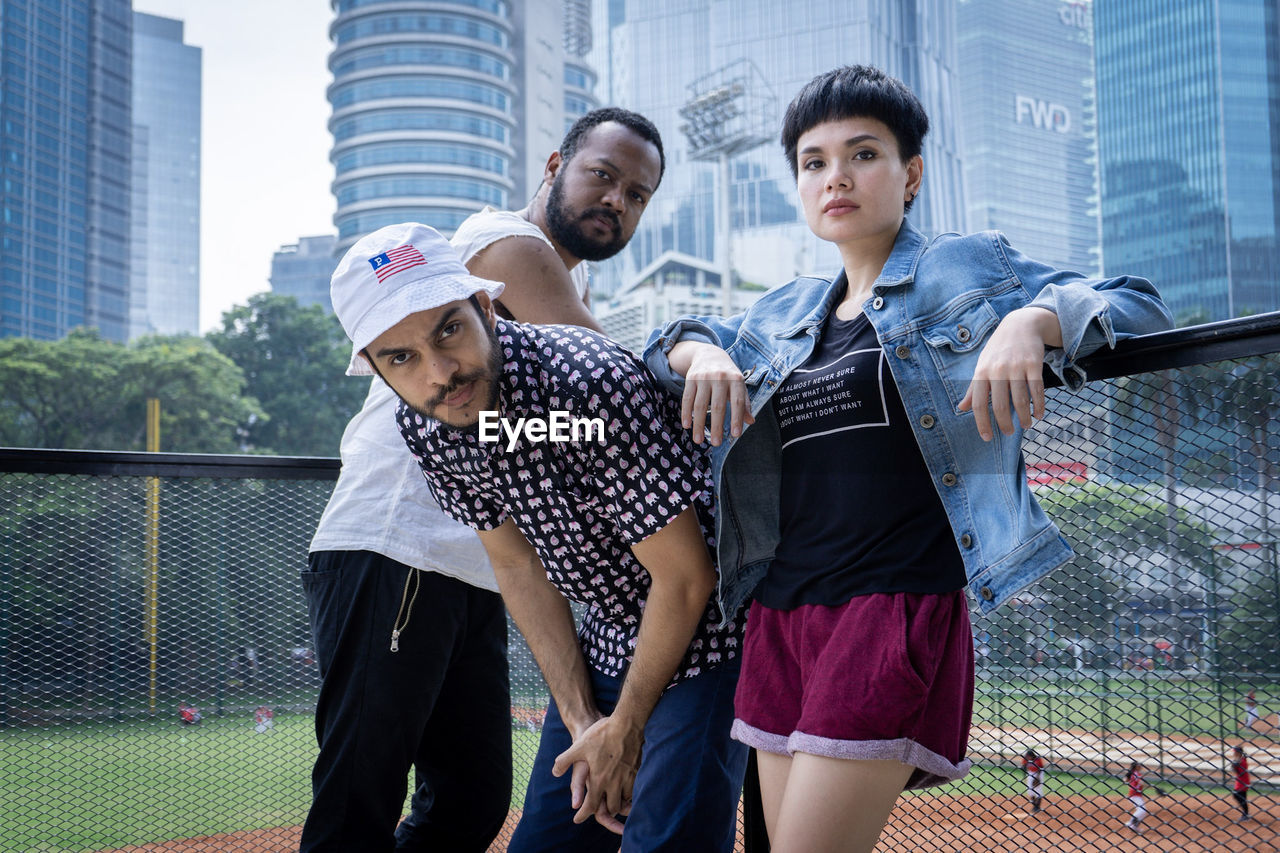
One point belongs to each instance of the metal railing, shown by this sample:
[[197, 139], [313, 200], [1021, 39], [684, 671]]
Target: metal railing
[[1163, 474]]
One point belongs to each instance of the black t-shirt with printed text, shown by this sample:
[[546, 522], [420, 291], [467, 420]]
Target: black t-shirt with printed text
[[859, 512]]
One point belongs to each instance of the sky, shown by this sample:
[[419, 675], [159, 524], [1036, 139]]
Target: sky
[[265, 140]]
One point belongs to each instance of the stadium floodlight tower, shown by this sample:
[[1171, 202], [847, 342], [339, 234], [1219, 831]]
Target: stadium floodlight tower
[[729, 111]]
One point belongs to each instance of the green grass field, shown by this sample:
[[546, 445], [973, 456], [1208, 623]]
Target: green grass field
[[985, 781], [105, 785], [1131, 703], [88, 787]]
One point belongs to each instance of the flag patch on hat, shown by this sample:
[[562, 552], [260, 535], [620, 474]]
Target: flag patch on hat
[[396, 260]]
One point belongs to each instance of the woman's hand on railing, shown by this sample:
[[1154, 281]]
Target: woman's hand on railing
[[1009, 376]]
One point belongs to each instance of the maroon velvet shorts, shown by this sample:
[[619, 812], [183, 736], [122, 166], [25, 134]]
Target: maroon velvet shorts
[[885, 676]]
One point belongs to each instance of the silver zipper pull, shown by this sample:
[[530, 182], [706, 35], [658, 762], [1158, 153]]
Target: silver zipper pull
[[395, 641]]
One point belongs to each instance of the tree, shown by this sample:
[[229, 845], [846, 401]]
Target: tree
[[84, 392], [294, 360], [50, 391], [1108, 525], [1250, 402]]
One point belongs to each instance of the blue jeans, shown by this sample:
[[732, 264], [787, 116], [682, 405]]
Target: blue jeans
[[686, 791]]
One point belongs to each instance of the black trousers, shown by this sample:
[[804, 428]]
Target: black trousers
[[441, 705]]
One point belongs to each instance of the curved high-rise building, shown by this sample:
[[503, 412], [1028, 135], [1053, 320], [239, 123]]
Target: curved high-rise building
[[443, 106], [423, 111]]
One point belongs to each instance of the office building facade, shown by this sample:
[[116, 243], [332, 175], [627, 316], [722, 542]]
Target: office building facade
[[648, 55], [165, 229], [1189, 150], [1027, 126], [303, 270], [65, 136], [440, 108], [674, 285]]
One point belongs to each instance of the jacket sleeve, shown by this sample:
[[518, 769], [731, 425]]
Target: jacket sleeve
[[1092, 312], [719, 331]]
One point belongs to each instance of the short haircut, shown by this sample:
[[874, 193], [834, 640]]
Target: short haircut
[[854, 91], [634, 122]]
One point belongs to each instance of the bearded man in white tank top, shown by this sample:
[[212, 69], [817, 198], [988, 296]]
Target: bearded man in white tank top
[[410, 632]]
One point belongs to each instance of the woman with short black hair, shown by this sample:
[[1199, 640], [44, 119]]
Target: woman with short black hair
[[866, 434]]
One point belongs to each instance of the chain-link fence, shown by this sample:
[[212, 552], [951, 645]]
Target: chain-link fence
[[157, 680]]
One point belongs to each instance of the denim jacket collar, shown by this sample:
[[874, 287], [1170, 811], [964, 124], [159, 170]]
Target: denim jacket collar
[[899, 269]]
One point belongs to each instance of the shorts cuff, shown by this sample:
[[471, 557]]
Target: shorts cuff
[[931, 768], [759, 739]]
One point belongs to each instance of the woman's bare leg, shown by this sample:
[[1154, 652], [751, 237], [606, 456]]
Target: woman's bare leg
[[774, 770], [833, 805]]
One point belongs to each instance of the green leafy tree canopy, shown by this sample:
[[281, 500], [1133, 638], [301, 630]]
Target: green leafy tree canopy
[[83, 392], [294, 360]]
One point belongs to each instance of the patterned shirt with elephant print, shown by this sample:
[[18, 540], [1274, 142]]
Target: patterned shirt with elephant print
[[581, 503]]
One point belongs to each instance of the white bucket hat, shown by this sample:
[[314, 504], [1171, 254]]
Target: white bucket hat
[[396, 271]]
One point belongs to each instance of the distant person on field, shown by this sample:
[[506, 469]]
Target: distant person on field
[[1133, 778], [1240, 767], [1033, 765], [264, 719], [1250, 709]]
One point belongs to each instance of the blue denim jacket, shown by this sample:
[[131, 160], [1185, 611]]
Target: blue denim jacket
[[933, 307]]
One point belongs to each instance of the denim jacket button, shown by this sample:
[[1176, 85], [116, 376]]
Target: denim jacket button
[[927, 422], [948, 479], [877, 303], [966, 541], [962, 334], [986, 593], [902, 351]]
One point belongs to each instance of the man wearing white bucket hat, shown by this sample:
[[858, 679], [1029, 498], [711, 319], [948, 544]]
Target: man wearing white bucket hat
[[615, 515], [397, 695]]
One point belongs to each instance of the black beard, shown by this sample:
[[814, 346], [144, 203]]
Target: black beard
[[563, 225]]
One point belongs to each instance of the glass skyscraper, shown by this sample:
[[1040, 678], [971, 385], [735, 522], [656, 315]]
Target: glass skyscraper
[[423, 114], [65, 132], [165, 249], [648, 54], [1025, 86], [1189, 148], [442, 107]]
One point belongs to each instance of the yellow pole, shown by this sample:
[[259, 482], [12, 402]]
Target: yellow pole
[[153, 544]]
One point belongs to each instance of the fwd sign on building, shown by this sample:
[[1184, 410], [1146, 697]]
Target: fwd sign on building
[[1044, 115]]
